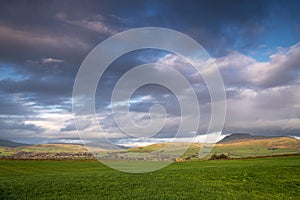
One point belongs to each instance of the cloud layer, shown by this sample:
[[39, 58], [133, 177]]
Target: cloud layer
[[42, 44]]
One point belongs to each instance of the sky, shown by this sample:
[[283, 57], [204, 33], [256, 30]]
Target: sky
[[255, 45]]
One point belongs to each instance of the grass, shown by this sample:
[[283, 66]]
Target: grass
[[251, 151], [264, 178], [53, 148], [6, 151], [40, 148]]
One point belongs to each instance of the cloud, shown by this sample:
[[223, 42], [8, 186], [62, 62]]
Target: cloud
[[282, 69], [71, 126], [138, 142], [272, 111], [51, 60], [44, 43], [240, 70], [20, 126], [264, 97], [95, 23], [14, 105], [40, 90], [11, 38], [253, 105]]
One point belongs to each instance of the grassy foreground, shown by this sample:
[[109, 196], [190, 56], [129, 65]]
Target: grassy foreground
[[264, 178]]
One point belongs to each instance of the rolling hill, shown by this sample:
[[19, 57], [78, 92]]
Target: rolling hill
[[234, 137], [235, 146], [239, 146], [268, 146]]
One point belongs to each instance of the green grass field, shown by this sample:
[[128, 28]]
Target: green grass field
[[263, 178]]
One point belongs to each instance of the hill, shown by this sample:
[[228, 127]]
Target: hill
[[234, 137], [235, 146], [46, 151], [8, 143], [267, 146]]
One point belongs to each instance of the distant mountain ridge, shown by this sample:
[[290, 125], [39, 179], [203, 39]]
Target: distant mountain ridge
[[234, 137], [8, 143]]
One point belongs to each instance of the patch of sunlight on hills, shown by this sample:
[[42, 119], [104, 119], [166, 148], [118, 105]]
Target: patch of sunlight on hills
[[235, 149]]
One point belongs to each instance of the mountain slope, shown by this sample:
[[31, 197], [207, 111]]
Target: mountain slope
[[234, 137], [8, 143], [268, 146], [238, 146], [272, 142]]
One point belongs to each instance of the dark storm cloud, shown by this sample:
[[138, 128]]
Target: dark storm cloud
[[69, 30], [21, 44], [69, 127], [48, 31], [37, 90], [33, 30], [38, 85], [20, 126], [219, 25]]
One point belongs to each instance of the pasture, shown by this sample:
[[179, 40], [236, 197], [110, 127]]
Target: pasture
[[261, 178]]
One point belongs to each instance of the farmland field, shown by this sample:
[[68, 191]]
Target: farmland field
[[261, 178]]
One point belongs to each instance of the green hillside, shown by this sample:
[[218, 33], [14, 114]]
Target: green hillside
[[259, 147], [234, 149], [239, 149]]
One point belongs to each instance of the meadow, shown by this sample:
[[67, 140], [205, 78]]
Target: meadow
[[260, 178]]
